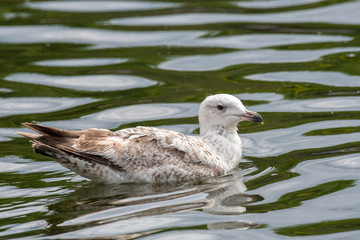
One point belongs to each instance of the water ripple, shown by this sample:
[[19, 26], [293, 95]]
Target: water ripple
[[80, 62], [330, 104], [279, 141], [219, 196], [260, 96], [287, 170], [112, 118], [6, 134], [98, 6], [338, 205], [211, 62], [27, 226], [144, 111], [25, 105], [183, 128], [24, 166], [5, 90], [338, 79], [346, 13], [314, 172], [349, 162], [84, 82], [110, 39], [13, 192], [21, 209], [275, 3]]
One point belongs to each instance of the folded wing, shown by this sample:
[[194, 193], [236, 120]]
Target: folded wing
[[133, 154]]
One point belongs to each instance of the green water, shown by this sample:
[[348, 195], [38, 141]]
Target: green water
[[123, 64]]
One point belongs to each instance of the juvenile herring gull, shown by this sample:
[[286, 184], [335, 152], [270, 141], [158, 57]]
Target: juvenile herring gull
[[147, 154]]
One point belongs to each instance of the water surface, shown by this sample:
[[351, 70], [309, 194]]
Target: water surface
[[117, 64]]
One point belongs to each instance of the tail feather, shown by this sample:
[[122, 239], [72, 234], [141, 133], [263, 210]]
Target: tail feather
[[28, 135], [50, 131], [58, 144]]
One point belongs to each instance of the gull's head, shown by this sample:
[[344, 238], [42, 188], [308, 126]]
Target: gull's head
[[224, 111]]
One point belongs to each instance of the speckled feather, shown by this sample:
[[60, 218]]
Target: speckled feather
[[143, 154]]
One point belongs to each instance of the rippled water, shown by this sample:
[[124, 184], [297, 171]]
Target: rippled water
[[117, 64]]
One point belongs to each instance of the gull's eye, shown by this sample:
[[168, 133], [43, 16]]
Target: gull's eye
[[220, 107]]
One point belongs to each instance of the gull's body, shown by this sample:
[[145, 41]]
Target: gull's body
[[146, 154]]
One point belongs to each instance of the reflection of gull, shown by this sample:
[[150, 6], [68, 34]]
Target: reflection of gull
[[95, 206], [217, 198], [148, 154]]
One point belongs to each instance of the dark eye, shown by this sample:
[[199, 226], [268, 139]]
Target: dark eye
[[220, 107]]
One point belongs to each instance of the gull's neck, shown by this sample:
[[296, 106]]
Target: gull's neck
[[217, 131], [226, 142]]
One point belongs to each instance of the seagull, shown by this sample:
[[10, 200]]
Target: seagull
[[149, 154]]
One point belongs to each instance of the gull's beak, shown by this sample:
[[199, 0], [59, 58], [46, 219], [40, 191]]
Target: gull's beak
[[251, 117]]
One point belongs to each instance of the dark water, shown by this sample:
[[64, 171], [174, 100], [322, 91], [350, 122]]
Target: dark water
[[116, 64]]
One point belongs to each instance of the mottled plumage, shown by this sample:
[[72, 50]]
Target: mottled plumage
[[147, 154]]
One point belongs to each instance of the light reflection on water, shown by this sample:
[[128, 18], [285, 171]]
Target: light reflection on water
[[211, 62], [319, 77], [81, 62], [333, 104], [300, 168], [112, 118], [280, 141], [102, 38], [259, 96], [98, 6], [84, 82], [4, 90], [346, 13], [23, 166], [314, 172], [274, 3], [24, 105]]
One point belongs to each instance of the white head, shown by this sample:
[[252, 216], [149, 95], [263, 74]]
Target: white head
[[224, 111]]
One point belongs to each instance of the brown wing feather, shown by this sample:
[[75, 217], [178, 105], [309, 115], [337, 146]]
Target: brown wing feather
[[60, 141], [129, 148]]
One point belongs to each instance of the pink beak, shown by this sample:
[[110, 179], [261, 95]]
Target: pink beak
[[251, 117]]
